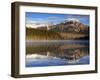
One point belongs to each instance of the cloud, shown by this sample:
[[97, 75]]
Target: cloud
[[34, 20], [53, 18], [31, 21], [78, 16]]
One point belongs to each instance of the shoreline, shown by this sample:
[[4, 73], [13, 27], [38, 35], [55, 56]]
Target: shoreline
[[29, 41]]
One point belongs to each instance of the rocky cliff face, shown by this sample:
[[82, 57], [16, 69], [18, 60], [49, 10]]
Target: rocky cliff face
[[72, 26]]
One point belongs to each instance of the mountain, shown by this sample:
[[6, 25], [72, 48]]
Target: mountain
[[41, 26], [35, 25], [71, 26], [68, 29]]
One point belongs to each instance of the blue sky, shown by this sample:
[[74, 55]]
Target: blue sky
[[32, 17]]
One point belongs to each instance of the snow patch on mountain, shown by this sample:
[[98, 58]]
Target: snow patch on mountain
[[72, 19]]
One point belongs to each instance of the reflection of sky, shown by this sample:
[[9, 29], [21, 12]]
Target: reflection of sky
[[54, 18]]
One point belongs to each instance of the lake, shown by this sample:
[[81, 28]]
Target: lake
[[41, 53]]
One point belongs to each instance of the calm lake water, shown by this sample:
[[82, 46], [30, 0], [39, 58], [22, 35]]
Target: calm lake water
[[57, 53]]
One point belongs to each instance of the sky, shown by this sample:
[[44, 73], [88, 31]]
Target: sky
[[42, 18]]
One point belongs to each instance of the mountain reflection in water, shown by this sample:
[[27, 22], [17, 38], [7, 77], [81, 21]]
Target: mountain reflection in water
[[56, 53]]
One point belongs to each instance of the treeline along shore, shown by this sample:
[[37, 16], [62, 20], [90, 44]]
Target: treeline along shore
[[36, 34]]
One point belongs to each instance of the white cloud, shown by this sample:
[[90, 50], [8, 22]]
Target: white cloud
[[30, 21], [53, 17]]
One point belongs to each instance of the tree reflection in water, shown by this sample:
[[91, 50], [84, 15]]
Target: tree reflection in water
[[71, 53]]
